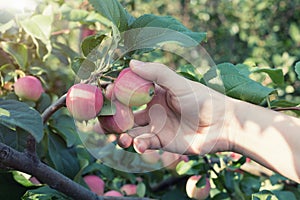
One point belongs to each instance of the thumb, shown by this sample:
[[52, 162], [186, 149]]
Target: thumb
[[160, 74], [146, 141]]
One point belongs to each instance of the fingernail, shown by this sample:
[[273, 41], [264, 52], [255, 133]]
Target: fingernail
[[136, 63], [140, 147]]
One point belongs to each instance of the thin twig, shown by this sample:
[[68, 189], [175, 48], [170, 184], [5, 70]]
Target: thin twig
[[61, 102]]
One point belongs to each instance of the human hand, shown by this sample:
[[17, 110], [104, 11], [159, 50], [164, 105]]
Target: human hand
[[183, 117]]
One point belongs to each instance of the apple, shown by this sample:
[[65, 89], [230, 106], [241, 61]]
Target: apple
[[109, 91], [113, 193], [151, 156], [84, 101], [120, 122], [85, 32], [132, 90], [237, 156], [28, 88], [194, 192], [129, 189], [34, 180], [95, 183], [170, 160]]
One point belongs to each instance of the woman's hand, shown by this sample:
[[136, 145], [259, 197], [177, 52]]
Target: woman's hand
[[183, 117]]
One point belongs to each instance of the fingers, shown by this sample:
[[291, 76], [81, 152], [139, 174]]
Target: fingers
[[146, 141], [140, 138], [160, 74], [125, 140], [141, 118]]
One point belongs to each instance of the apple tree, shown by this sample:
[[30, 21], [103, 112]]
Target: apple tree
[[64, 82]]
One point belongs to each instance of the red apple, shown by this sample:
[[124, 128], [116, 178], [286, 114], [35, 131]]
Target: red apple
[[129, 189], [85, 32], [113, 193], [34, 180], [170, 160], [132, 90], [95, 183], [84, 101], [195, 192], [109, 92], [29, 88], [120, 122]]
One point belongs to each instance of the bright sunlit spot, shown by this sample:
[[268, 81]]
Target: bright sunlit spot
[[18, 5]]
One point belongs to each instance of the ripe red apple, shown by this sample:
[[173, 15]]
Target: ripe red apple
[[194, 192], [109, 92], [34, 180], [113, 193], [170, 160], [151, 156], [84, 101], [129, 189], [95, 183], [132, 90], [29, 88], [120, 122]]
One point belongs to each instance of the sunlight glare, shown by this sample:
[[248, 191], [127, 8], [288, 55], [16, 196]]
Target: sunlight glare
[[18, 5]]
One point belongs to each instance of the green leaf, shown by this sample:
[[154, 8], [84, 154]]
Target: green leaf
[[221, 196], [63, 158], [72, 14], [165, 23], [284, 103], [227, 79], [284, 195], [192, 167], [9, 187], [13, 138], [83, 67], [294, 32], [39, 27], [275, 74], [174, 194], [108, 108], [91, 42], [21, 179], [65, 127], [185, 167], [264, 195], [141, 189], [17, 51], [201, 182], [43, 102], [237, 164], [44, 193], [297, 69], [250, 185], [113, 11], [22, 116], [106, 171]]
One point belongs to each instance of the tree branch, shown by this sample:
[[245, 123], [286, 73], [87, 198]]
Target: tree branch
[[22, 162], [9, 157], [61, 102]]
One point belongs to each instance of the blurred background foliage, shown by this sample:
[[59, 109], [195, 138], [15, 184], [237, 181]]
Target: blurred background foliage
[[258, 33]]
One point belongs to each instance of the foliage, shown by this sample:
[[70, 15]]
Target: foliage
[[261, 38]]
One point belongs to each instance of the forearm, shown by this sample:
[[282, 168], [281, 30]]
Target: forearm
[[270, 138]]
